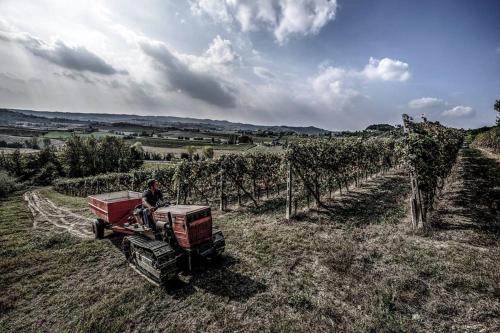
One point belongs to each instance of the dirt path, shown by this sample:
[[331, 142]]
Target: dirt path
[[374, 200], [467, 211], [49, 216]]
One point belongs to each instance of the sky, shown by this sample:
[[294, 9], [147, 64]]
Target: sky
[[338, 64]]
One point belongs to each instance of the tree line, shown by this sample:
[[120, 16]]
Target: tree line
[[79, 157]]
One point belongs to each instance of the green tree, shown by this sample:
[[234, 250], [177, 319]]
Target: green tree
[[208, 152], [16, 163], [4, 162], [7, 184], [34, 143], [90, 156], [497, 109], [191, 150], [72, 156], [245, 139], [46, 142]]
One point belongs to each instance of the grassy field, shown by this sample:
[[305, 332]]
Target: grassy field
[[174, 143], [353, 267], [73, 203], [155, 165], [267, 149], [178, 151]]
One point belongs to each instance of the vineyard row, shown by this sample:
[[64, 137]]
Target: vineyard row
[[317, 166], [430, 151]]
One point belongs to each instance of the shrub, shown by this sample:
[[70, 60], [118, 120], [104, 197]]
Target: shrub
[[8, 184]]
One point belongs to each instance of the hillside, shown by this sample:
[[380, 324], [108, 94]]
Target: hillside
[[353, 267], [11, 115]]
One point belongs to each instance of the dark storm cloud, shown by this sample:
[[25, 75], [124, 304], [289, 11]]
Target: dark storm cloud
[[197, 85], [75, 58]]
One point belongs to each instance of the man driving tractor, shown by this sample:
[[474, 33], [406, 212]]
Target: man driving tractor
[[157, 245], [150, 199]]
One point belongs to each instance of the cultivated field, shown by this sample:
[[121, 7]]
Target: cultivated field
[[21, 150], [63, 135], [218, 150], [354, 265], [176, 143]]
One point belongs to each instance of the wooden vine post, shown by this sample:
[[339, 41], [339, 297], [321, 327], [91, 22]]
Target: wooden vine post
[[178, 180], [221, 202], [289, 196], [417, 213]]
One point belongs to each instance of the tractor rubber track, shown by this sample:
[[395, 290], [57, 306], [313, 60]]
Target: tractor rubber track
[[157, 261]]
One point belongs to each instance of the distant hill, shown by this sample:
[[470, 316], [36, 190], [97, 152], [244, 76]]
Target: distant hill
[[9, 116], [14, 115]]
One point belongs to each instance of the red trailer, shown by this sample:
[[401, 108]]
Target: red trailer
[[113, 210]]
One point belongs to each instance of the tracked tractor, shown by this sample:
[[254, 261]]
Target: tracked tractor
[[160, 249]]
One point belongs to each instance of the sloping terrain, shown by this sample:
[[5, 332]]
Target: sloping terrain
[[354, 266]]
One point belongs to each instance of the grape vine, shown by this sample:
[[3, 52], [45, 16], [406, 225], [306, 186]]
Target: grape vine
[[319, 167], [430, 152]]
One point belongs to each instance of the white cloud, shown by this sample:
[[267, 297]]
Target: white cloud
[[498, 50], [220, 52], [426, 103], [433, 103], [216, 9], [460, 111], [376, 70], [264, 73], [283, 17], [304, 17], [387, 69], [6, 26], [331, 87], [340, 86], [218, 59]]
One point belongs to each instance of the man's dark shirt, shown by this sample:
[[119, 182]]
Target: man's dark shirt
[[152, 198]]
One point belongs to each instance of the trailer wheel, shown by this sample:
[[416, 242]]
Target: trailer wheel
[[98, 229]]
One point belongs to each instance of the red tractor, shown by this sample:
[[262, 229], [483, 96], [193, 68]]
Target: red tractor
[[181, 233]]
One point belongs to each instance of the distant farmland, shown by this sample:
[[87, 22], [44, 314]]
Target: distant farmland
[[63, 135]]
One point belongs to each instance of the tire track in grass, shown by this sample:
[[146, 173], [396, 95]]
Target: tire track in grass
[[51, 217]]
